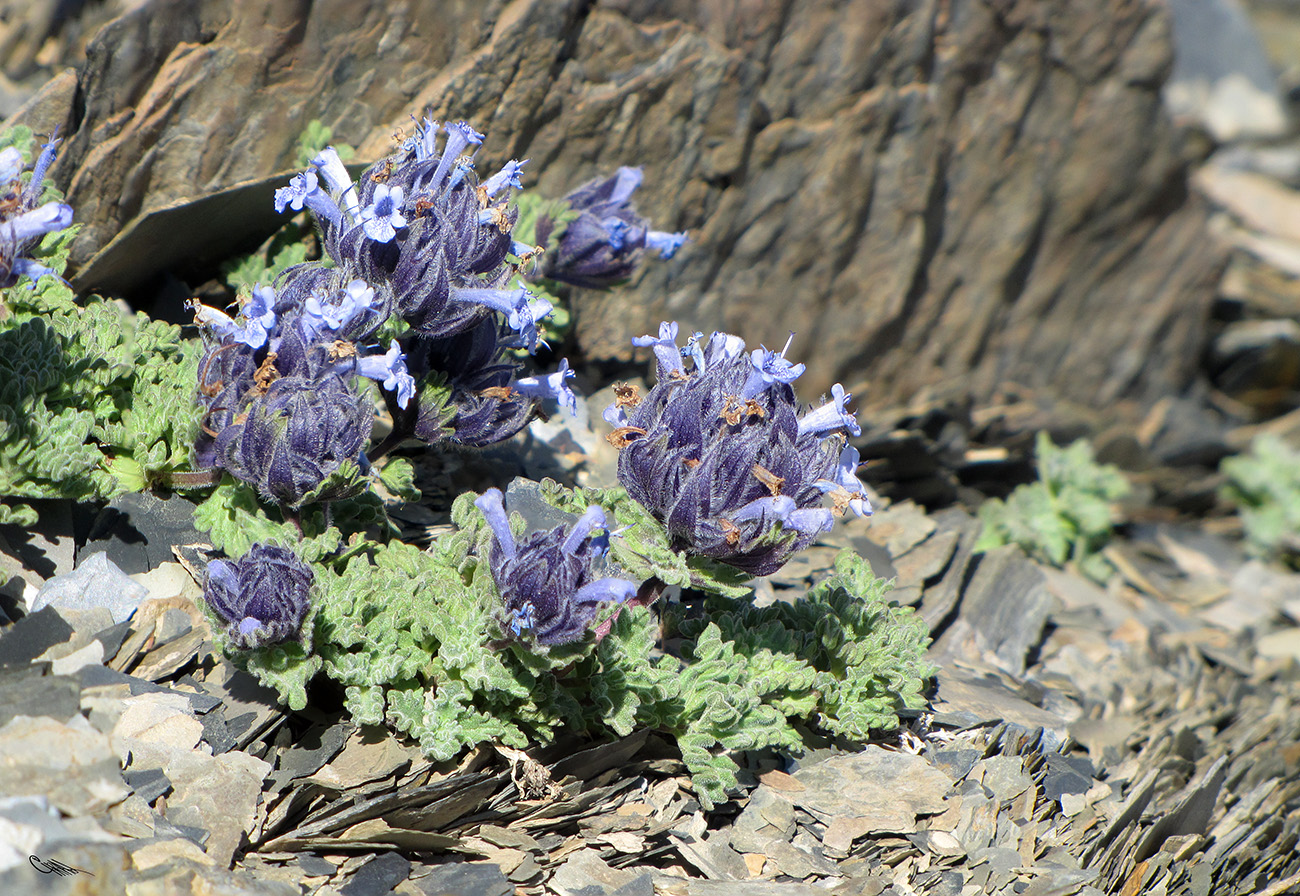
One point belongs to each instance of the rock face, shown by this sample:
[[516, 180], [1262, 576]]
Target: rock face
[[940, 198]]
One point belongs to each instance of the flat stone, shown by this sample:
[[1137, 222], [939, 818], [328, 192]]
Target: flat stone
[[887, 788], [378, 877], [102, 676], [154, 729], [165, 661], [137, 530], [220, 794], [148, 783], [585, 873], [315, 748], [173, 624], [1066, 774], [70, 763], [1003, 610], [90, 655], [96, 582], [31, 636], [984, 699], [464, 879], [900, 528], [150, 855], [39, 695]]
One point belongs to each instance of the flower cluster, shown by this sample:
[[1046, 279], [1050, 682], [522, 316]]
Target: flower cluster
[[24, 220], [551, 583], [606, 239], [419, 245], [720, 452], [282, 411], [263, 597]]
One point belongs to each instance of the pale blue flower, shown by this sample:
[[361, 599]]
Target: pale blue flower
[[551, 386], [331, 168], [831, 417], [506, 177], [770, 368], [665, 348], [846, 490], [666, 244], [389, 369], [383, 217]]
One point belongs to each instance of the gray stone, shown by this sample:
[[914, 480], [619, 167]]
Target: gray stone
[[70, 763], [31, 636], [138, 529], [38, 695], [378, 877], [1222, 76], [879, 790], [1003, 610], [96, 582], [464, 879], [220, 794]]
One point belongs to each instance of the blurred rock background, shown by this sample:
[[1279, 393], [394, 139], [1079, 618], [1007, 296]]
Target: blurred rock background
[[1085, 209]]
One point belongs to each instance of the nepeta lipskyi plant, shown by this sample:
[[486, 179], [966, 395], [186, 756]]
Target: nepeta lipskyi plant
[[721, 453], [551, 583]]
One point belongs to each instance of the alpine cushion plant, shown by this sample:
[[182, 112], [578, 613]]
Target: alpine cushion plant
[[551, 583], [721, 453]]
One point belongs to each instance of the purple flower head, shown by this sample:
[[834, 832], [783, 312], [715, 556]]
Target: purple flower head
[[286, 438], [488, 405], [383, 217], [603, 245], [717, 454], [551, 583], [263, 597], [24, 220], [418, 227]]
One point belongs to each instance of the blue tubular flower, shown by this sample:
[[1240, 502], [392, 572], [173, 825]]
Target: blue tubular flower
[[389, 370], [551, 387], [506, 177], [603, 245], [831, 417], [23, 219], [331, 168], [263, 597], [717, 453], [667, 354], [551, 584], [770, 368]]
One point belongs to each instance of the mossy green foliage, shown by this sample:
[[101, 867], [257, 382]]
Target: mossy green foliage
[[1064, 517], [417, 640], [94, 401], [1265, 486]]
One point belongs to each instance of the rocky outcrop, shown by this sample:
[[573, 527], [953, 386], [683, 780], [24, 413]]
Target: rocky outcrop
[[941, 198]]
